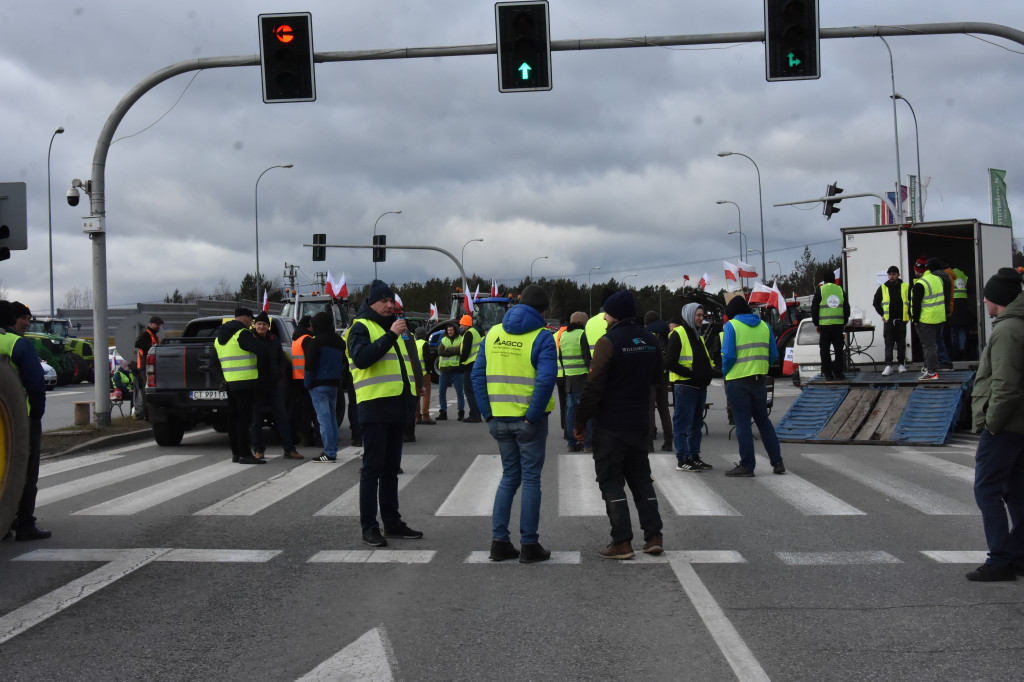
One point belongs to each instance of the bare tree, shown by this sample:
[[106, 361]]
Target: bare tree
[[78, 298]]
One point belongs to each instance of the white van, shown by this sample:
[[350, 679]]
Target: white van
[[806, 356]]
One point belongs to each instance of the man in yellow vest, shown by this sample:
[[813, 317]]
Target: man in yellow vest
[[892, 302], [573, 363], [928, 311], [514, 379], [470, 347], [236, 350], [830, 310], [384, 375], [426, 361], [961, 319], [748, 350]]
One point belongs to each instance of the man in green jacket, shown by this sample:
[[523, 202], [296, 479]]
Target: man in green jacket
[[997, 404]]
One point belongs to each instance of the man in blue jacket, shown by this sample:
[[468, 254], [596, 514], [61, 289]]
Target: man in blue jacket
[[324, 365], [514, 381]]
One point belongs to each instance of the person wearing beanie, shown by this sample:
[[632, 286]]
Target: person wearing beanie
[[626, 365], [325, 366], [892, 303], [301, 414], [997, 406], [514, 382], [748, 350], [470, 347], [146, 340], [267, 396], [928, 313], [830, 311], [384, 373], [449, 372], [236, 352], [21, 354]]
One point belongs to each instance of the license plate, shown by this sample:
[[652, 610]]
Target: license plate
[[208, 395], [809, 370]]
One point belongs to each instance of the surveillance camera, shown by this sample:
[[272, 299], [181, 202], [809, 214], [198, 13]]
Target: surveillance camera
[[73, 196]]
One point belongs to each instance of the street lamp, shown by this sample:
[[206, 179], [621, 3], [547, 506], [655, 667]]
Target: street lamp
[[375, 234], [627, 277], [780, 267], [49, 217], [590, 287], [739, 221], [917, 144], [462, 260], [896, 135], [659, 294], [531, 266], [760, 200], [256, 202]]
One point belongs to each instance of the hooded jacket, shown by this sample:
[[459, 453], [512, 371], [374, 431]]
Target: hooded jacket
[[729, 342], [997, 402], [522, 319]]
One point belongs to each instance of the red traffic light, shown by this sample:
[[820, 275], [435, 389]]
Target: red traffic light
[[284, 33]]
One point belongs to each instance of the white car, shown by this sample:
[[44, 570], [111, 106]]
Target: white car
[[806, 357], [49, 375]]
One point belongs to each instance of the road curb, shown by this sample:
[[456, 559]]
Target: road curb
[[103, 442]]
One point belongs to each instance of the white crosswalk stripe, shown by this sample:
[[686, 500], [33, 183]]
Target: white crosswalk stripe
[[138, 501], [348, 503], [473, 495], [687, 492], [266, 493], [107, 478], [578, 494]]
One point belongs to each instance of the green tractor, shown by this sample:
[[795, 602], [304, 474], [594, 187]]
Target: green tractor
[[72, 357]]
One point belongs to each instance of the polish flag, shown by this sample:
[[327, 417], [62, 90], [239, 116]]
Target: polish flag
[[787, 363], [771, 297], [398, 301], [839, 279], [780, 299], [329, 284], [433, 312], [467, 302], [266, 302], [731, 271], [340, 288], [704, 281], [746, 269], [494, 289]]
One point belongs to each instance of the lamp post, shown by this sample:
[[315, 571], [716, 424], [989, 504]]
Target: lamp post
[[760, 200], [462, 259], [590, 287], [256, 202], [780, 267], [531, 266], [375, 234], [49, 217], [917, 144], [896, 134], [659, 294], [739, 221], [627, 277]]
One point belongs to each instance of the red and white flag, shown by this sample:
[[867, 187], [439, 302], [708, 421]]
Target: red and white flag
[[494, 289], [787, 363], [780, 299], [329, 284], [398, 301], [839, 279], [340, 288], [467, 302], [771, 297], [433, 312], [731, 271], [704, 281], [746, 269], [266, 302]]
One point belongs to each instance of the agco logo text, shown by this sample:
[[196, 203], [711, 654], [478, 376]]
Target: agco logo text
[[508, 344]]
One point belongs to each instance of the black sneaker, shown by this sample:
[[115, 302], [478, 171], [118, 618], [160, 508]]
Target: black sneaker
[[701, 463], [533, 553], [249, 459], [502, 550], [990, 573], [403, 531], [779, 468], [687, 465], [373, 538], [740, 470], [442, 416], [325, 458], [574, 447], [30, 533], [473, 420]]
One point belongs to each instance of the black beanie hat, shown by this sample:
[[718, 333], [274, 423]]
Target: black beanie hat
[[20, 309], [535, 297], [1003, 287], [737, 306], [621, 305], [262, 317], [379, 290]]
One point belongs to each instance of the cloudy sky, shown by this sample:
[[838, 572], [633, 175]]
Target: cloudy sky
[[616, 167]]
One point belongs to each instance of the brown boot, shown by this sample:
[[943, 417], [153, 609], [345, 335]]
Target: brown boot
[[622, 550]]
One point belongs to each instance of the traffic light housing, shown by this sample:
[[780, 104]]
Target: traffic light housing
[[830, 206], [791, 40], [286, 57], [524, 46], [13, 219], [379, 252], [319, 248]]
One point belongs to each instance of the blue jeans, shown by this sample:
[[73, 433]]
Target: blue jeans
[[443, 382], [748, 398], [572, 402], [522, 458], [325, 403], [688, 420], [998, 490]]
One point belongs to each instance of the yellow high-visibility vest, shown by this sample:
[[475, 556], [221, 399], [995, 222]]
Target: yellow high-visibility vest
[[235, 363], [570, 354], [830, 310], [382, 379], [686, 353], [751, 350], [511, 375], [904, 296], [933, 305]]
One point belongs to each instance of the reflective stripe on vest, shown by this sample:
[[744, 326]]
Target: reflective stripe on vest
[[449, 360], [558, 346], [511, 375], [299, 358], [235, 363], [474, 347], [596, 327], [830, 310], [933, 308], [959, 284], [751, 350], [686, 353], [570, 353], [904, 296], [421, 344], [384, 378]]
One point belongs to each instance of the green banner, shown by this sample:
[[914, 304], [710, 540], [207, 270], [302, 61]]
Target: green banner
[[997, 198]]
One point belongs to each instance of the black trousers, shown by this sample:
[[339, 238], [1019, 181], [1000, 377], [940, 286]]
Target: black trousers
[[620, 459], [239, 418], [27, 506], [830, 338]]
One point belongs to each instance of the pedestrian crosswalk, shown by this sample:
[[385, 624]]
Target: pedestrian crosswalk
[[933, 482]]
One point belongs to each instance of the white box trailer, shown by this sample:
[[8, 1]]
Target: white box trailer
[[974, 247]]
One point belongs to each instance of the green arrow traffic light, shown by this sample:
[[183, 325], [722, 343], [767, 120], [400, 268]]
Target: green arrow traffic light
[[525, 69], [793, 61]]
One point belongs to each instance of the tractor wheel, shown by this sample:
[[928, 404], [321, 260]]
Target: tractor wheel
[[14, 453]]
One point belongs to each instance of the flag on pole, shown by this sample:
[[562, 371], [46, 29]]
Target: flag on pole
[[494, 289], [433, 312], [329, 284], [467, 303], [780, 300], [746, 269], [997, 198], [398, 301], [341, 288], [295, 308], [771, 297], [704, 281], [266, 302], [839, 276], [686, 280], [731, 271]]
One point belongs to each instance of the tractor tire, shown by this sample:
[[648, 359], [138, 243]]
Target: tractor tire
[[14, 453], [80, 368]]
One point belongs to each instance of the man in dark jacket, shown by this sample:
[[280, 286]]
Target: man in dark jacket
[[892, 302], [147, 339], [830, 311], [14, 320], [236, 351], [690, 372], [659, 404], [268, 395], [626, 364], [384, 375], [325, 364]]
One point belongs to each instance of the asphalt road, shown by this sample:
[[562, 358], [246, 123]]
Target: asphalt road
[[174, 564], [60, 409]]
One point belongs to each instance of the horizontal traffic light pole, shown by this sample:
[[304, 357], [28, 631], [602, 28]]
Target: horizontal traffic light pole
[[465, 282], [840, 197]]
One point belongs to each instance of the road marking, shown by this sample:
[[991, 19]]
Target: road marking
[[836, 558], [106, 478], [221, 556], [473, 495], [963, 557], [688, 492], [737, 653], [805, 496], [133, 503], [72, 463], [910, 494], [578, 493], [369, 658], [373, 556], [557, 558], [692, 556], [271, 491], [119, 564], [348, 503], [927, 461]]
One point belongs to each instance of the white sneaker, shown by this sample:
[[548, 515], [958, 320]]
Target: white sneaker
[[887, 371], [901, 369]]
